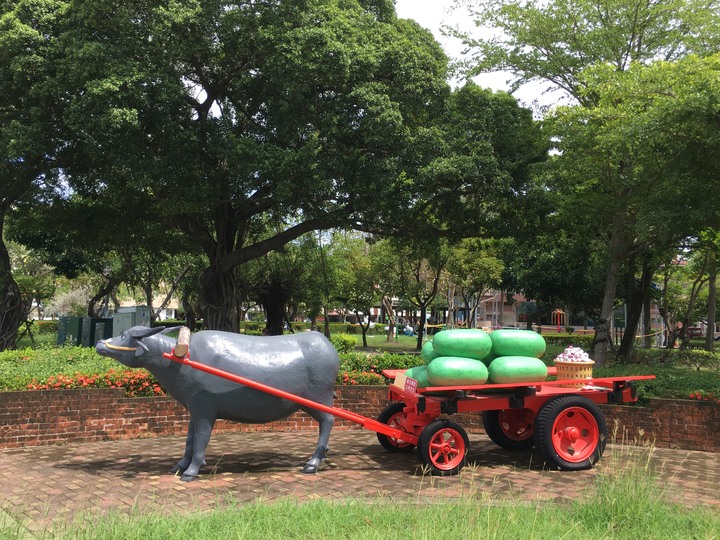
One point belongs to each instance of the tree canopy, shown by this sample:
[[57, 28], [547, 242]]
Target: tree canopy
[[555, 41], [640, 164], [629, 154], [242, 125]]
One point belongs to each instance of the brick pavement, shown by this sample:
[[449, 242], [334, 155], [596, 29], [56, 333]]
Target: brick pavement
[[43, 486]]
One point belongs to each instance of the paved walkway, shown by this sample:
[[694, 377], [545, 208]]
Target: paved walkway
[[51, 484]]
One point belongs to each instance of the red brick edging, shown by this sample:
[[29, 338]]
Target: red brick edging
[[64, 416]]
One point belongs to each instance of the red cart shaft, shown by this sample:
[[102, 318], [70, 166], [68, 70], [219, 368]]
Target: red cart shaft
[[364, 421]]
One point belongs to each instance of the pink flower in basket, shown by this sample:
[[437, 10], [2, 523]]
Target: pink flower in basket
[[573, 354]]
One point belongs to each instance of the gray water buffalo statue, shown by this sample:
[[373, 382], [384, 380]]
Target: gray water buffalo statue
[[304, 364]]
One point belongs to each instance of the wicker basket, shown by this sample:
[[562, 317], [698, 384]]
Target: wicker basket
[[574, 370]]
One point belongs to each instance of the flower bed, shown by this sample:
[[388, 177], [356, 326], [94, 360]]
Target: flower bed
[[135, 382]]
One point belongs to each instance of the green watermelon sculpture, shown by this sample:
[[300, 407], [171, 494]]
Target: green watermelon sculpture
[[465, 357]]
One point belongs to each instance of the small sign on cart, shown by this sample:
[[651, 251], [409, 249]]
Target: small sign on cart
[[406, 383]]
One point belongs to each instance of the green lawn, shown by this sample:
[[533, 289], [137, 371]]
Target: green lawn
[[400, 343]]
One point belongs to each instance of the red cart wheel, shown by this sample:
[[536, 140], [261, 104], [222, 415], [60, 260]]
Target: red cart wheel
[[571, 433], [394, 416], [443, 446], [511, 429]]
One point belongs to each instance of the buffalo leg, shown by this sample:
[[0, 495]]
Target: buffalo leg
[[199, 432], [326, 421], [184, 463]]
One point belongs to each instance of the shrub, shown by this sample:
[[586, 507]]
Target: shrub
[[80, 367], [19, 367], [694, 358], [253, 333], [344, 343], [249, 327], [674, 382]]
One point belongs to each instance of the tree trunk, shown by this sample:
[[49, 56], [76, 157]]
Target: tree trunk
[[148, 290], [602, 342], [218, 290], [104, 292], [274, 299], [387, 304], [326, 323], [155, 313], [450, 319], [647, 322], [421, 325], [11, 306], [632, 322], [712, 307], [698, 283], [637, 292], [190, 315], [363, 327]]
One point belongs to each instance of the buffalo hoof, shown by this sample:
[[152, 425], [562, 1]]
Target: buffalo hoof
[[178, 468], [313, 466]]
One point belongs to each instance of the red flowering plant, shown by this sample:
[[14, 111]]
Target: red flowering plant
[[136, 382], [702, 395], [359, 377]]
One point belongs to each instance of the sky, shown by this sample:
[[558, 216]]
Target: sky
[[432, 14]]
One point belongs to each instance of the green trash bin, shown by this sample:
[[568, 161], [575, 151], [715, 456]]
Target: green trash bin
[[94, 329], [69, 330]]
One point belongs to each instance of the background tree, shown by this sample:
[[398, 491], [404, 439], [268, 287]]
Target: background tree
[[639, 156], [555, 269], [557, 41], [36, 282], [420, 266], [473, 269], [383, 256], [28, 32], [240, 115], [319, 278], [356, 278]]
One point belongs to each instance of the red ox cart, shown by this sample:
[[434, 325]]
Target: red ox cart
[[564, 423]]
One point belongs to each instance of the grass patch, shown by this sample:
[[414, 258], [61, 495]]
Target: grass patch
[[616, 513]]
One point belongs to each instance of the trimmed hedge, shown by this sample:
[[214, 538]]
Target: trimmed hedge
[[566, 340], [250, 327], [45, 327]]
